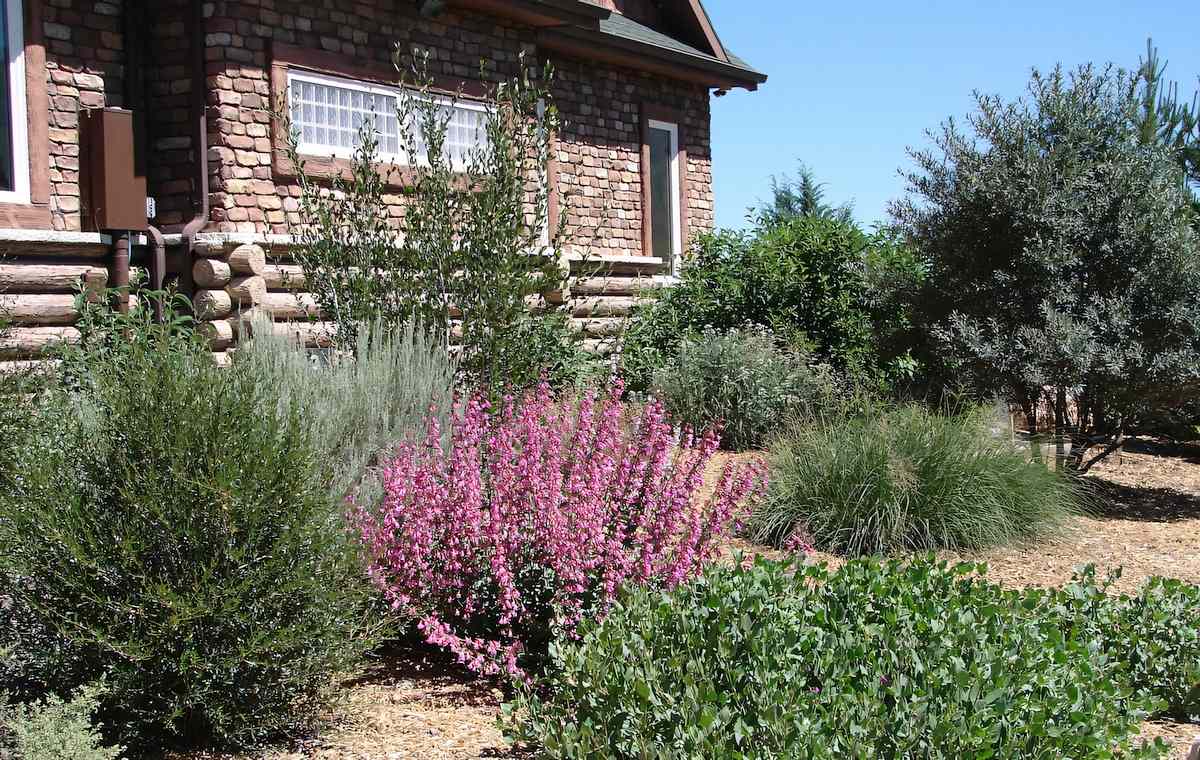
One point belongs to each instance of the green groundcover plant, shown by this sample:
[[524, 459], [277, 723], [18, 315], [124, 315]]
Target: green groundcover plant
[[54, 729], [1153, 632], [769, 660], [905, 479], [181, 540]]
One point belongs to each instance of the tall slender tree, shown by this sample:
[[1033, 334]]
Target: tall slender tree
[[1166, 119], [800, 197]]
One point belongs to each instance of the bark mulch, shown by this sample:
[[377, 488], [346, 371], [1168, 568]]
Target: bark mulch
[[1146, 519]]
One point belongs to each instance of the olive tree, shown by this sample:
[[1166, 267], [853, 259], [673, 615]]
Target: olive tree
[[1062, 266]]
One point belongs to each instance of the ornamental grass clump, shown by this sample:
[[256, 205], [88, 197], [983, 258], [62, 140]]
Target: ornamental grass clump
[[536, 514], [908, 479]]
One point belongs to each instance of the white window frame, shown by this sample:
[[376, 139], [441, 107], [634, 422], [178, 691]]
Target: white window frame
[[400, 158], [18, 105], [676, 200]]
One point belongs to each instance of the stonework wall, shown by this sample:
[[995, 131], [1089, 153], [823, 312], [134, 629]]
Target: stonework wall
[[84, 69], [599, 147], [247, 195], [599, 152]]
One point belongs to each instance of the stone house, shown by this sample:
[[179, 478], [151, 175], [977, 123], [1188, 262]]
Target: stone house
[[141, 131]]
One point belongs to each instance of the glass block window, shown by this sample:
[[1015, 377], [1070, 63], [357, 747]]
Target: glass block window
[[328, 112]]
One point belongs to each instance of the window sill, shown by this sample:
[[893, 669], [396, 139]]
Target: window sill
[[27, 216], [327, 168]]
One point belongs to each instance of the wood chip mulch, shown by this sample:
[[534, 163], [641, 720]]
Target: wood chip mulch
[[1146, 520]]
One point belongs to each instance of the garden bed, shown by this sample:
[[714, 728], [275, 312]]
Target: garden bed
[[413, 705]]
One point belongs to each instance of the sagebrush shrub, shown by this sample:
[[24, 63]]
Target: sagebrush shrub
[[536, 514], [908, 479], [179, 536], [742, 382], [884, 660], [354, 405], [54, 729]]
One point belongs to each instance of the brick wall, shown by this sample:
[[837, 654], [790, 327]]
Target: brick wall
[[599, 152], [172, 161], [84, 69], [247, 196], [599, 155]]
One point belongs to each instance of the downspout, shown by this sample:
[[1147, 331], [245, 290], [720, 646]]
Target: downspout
[[200, 139], [136, 20]]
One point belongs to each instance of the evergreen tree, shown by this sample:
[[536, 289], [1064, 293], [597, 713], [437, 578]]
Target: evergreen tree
[[801, 197], [1164, 119], [1063, 267]]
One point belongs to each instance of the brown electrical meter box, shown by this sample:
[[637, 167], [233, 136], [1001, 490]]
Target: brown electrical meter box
[[116, 190]]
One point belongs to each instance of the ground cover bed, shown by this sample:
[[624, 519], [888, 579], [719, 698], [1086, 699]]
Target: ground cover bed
[[416, 704]]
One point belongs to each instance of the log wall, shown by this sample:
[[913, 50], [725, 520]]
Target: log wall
[[41, 278], [241, 279], [238, 277]]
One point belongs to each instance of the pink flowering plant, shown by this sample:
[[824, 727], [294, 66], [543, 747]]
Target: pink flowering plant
[[536, 514]]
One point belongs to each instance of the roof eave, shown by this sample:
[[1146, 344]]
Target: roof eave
[[585, 43], [539, 13]]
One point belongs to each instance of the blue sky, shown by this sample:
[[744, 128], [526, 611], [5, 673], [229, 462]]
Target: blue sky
[[852, 84]]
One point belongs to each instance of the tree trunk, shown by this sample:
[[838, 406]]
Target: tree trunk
[[1060, 428]]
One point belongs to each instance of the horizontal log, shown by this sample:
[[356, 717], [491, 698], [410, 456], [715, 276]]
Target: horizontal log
[[38, 309], [284, 276], [69, 245], [28, 342], [224, 358], [26, 277], [600, 306], [599, 328], [289, 306], [308, 334], [211, 273], [248, 259], [247, 290], [212, 304], [219, 334], [599, 346], [28, 366], [617, 286]]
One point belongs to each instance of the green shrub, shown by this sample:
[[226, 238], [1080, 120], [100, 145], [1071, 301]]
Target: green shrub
[[907, 479], [354, 407], [180, 538], [1153, 633], [1158, 634], [806, 279], [54, 730], [34, 659], [875, 660], [740, 380]]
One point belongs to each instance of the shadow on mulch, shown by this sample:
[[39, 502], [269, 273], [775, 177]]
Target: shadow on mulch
[[409, 659], [1159, 447], [1121, 502]]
